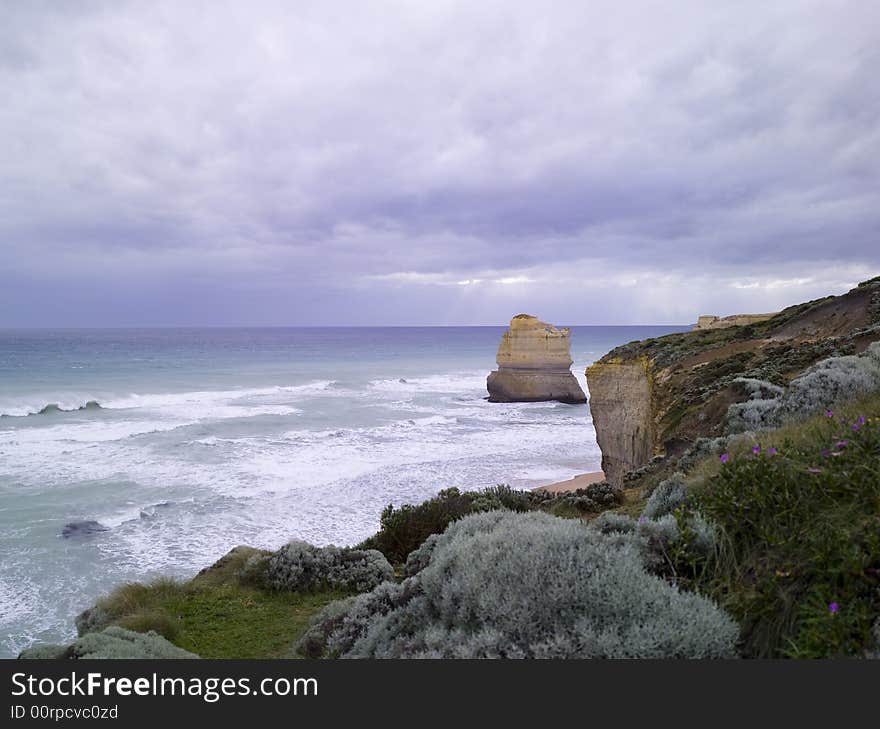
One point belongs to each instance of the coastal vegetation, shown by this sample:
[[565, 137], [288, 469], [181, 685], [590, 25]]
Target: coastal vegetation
[[528, 585]]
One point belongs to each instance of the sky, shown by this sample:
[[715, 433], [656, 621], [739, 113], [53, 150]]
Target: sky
[[441, 163]]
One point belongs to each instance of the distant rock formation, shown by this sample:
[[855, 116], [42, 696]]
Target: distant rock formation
[[709, 321], [534, 364]]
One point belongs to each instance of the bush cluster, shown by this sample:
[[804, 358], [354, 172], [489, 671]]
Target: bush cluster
[[592, 499], [404, 529], [111, 643], [832, 380], [300, 566], [508, 585], [800, 563], [667, 497], [677, 545]]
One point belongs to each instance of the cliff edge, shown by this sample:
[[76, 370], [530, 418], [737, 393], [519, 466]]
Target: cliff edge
[[534, 364], [657, 396]]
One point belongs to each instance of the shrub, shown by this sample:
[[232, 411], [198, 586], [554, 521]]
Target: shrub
[[832, 380], [299, 566], [112, 643], [743, 417], [255, 571], [667, 497], [609, 522], [43, 651], [244, 564], [507, 585], [596, 497], [700, 450], [800, 541], [418, 559], [405, 529], [758, 389], [676, 546]]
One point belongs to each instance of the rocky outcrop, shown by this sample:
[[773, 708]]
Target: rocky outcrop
[[534, 364], [620, 403], [709, 321], [656, 397]]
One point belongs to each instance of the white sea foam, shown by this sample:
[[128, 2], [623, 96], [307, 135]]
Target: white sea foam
[[194, 404], [181, 477]]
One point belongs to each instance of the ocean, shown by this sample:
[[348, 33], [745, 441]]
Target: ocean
[[186, 442]]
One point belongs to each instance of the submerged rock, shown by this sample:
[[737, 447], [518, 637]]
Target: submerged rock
[[83, 529], [534, 364]]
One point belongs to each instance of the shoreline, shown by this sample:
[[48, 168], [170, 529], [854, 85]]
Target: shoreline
[[581, 481]]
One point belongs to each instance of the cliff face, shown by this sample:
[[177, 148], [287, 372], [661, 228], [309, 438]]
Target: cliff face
[[621, 392], [534, 364], [655, 397]]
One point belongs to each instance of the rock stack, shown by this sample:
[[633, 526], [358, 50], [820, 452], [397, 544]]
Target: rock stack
[[534, 364]]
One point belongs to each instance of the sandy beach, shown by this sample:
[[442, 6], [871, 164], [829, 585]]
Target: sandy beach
[[578, 482]]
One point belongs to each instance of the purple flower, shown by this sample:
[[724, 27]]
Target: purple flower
[[842, 443], [826, 453], [724, 458], [772, 451], [862, 420], [642, 520], [829, 413], [856, 426], [756, 450], [834, 607]]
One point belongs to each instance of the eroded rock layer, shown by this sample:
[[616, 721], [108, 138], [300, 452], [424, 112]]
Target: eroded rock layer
[[534, 364], [657, 396]]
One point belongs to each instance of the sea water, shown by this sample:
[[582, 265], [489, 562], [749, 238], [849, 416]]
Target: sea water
[[196, 440]]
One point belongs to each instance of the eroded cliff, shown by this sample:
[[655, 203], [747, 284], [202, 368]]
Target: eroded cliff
[[655, 397]]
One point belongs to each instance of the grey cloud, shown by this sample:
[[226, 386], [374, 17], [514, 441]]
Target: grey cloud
[[269, 156]]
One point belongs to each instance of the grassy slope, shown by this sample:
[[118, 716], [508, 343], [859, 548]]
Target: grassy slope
[[697, 368], [215, 615], [799, 557]]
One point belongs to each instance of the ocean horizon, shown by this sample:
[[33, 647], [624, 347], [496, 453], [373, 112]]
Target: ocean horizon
[[185, 442]]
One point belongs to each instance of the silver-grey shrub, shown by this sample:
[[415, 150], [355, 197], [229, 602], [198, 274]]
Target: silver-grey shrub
[[702, 448], [110, 643], [302, 566], [610, 522], [654, 538], [826, 383], [751, 415], [419, 558], [758, 389], [831, 381], [667, 497], [508, 585]]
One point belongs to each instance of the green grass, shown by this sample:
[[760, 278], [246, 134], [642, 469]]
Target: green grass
[[232, 621], [215, 615]]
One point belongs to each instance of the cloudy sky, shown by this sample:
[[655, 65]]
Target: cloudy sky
[[259, 163]]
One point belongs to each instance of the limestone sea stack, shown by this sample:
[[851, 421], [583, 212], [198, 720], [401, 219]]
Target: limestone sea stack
[[534, 364]]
